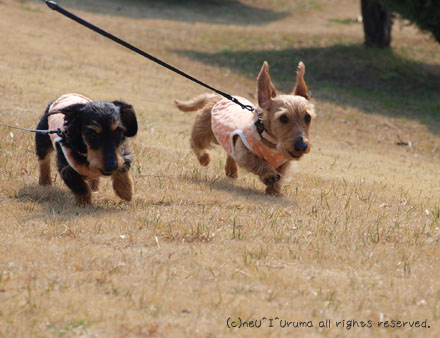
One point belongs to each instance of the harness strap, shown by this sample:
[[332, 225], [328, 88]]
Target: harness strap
[[58, 141], [243, 139], [84, 171]]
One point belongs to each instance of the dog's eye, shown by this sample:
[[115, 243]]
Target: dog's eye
[[91, 132], [284, 119], [307, 118], [118, 132]]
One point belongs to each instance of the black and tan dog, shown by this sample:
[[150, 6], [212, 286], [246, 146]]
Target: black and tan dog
[[93, 145]]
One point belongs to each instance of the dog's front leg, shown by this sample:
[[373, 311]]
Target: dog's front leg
[[123, 184], [275, 189], [74, 181], [268, 175], [77, 185], [231, 168]]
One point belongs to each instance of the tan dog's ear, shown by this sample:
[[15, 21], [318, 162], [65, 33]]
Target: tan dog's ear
[[300, 88], [266, 90]]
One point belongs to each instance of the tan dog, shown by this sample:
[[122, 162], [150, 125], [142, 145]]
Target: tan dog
[[263, 142]]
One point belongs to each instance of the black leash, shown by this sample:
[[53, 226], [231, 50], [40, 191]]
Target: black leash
[[53, 5], [58, 131]]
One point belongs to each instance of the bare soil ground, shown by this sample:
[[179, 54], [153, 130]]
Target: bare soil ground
[[356, 236]]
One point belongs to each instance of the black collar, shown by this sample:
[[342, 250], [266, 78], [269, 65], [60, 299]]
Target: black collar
[[261, 130], [259, 125]]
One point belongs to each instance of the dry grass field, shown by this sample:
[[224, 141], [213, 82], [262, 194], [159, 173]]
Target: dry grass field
[[356, 236]]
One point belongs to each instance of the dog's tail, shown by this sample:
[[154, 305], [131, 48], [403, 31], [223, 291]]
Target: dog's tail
[[195, 104]]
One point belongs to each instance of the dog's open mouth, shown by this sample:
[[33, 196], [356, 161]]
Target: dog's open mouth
[[295, 154]]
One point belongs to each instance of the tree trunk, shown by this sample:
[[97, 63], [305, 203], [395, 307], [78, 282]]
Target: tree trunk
[[377, 22]]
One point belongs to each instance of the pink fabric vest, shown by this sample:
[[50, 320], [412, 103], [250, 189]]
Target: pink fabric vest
[[56, 121], [229, 119]]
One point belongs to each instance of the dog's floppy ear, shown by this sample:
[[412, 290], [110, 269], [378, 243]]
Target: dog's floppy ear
[[128, 118], [300, 88], [69, 111], [265, 88]]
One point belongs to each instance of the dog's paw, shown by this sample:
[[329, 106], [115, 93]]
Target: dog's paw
[[269, 180], [270, 190], [45, 180], [204, 159], [231, 168], [126, 194], [232, 174], [83, 200], [123, 185], [231, 171]]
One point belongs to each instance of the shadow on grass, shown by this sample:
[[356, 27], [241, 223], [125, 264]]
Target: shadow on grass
[[377, 81], [231, 12], [61, 201], [227, 185]]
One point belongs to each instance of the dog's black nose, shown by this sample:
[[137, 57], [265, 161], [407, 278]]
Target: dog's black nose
[[299, 145], [110, 167]]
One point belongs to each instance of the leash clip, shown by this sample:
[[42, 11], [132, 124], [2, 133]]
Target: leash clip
[[60, 133], [243, 106]]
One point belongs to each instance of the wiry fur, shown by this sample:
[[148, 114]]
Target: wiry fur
[[96, 135], [285, 117]]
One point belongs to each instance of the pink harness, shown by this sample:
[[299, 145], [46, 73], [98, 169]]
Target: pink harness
[[56, 121], [228, 119]]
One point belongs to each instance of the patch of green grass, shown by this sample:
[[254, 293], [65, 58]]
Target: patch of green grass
[[390, 76], [343, 21], [306, 5], [77, 327], [28, 8]]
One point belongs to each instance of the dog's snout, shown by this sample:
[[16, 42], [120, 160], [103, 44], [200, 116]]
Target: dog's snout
[[110, 158], [110, 166], [110, 163], [300, 145]]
